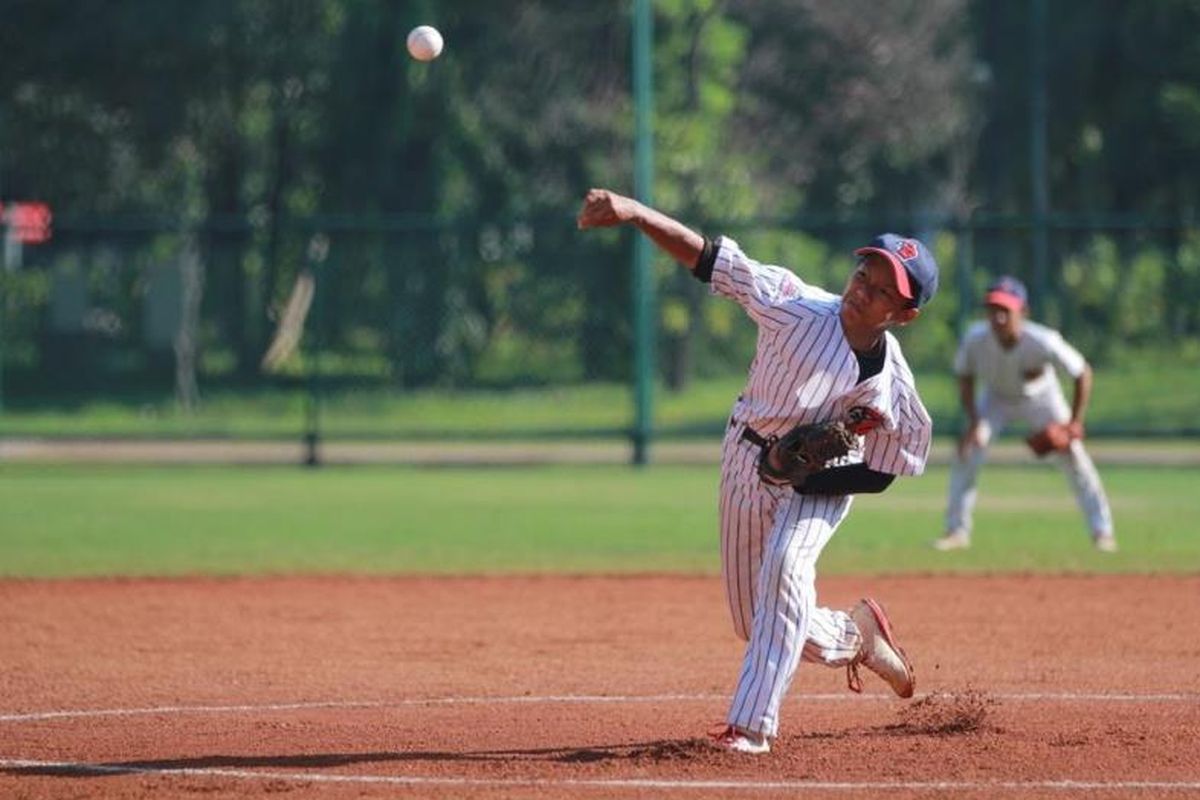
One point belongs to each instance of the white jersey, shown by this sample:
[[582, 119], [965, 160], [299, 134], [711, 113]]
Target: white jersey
[[1023, 371], [1019, 384], [805, 371], [771, 536]]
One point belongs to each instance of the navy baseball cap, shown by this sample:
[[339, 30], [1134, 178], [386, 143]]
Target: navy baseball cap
[[1007, 292], [916, 271]]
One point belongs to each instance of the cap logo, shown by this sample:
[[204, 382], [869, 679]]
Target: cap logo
[[907, 249]]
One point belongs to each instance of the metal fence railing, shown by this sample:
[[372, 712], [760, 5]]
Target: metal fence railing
[[93, 317]]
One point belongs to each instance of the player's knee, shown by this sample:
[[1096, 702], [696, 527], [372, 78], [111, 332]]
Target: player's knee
[[791, 564]]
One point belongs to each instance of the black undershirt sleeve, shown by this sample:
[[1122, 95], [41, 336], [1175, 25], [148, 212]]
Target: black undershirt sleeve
[[704, 264], [850, 479]]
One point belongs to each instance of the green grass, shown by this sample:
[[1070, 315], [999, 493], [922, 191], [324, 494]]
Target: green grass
[[1129, 397], [125, 521]]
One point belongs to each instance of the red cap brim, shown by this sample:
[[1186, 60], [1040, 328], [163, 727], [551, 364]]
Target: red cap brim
[[1004, 300], [903, 284]]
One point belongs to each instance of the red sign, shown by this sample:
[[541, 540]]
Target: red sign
[[29, 222]]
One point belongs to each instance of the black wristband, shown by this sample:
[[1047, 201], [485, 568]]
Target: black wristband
[[704, 264]]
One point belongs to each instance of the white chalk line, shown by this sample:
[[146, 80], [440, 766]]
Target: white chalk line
[[333, 704], [611, 783], [1016, 697], [600, 783]]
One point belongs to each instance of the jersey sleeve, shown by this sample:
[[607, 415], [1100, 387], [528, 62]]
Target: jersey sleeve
[[1063, 355], [767, 292], [903, 447], [899, 428]]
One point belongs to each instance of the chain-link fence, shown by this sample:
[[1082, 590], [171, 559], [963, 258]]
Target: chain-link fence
[[145, 328]]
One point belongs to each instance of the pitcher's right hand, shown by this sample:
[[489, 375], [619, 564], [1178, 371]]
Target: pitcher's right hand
[[603, 209]]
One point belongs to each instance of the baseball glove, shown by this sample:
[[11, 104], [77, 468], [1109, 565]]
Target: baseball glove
[[1053, 438], [803, 450]]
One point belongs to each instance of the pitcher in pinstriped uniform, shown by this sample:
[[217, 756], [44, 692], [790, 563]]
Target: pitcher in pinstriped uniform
[[819, 356]]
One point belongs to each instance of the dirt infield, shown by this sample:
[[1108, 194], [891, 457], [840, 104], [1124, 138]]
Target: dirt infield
[[584, 687]]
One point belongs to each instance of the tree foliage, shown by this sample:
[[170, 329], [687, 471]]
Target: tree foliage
[[447, 190]]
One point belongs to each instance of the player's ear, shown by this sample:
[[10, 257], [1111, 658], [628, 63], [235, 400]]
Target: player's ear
[[905, 316]]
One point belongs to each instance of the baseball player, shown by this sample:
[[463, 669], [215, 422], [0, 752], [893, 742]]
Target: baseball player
[[1006, 371], [819, 356]]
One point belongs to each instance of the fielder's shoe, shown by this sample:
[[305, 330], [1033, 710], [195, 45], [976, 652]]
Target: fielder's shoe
[[1105, 542], [954, 540], [736, 740], [879, 651]]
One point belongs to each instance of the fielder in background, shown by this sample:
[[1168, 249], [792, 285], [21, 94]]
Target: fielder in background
[[820, 358], [1006, 371]]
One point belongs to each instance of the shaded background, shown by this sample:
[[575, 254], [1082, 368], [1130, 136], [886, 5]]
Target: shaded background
[[220, 172]]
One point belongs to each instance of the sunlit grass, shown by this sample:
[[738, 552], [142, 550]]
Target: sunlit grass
[[64, 521]]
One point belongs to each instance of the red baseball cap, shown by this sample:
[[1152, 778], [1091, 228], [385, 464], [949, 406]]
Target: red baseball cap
[[1007, 292], [913, 265]]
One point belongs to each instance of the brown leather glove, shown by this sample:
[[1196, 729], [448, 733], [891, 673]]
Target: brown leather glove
[[803, 450], [1054, 438]]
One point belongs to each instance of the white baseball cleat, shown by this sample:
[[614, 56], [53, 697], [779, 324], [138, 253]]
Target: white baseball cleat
[[737, 740], [954, 540], [1105, 542], [878, 651]]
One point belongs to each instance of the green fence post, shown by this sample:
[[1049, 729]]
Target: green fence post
[[1038, 179], [3, 261], [643, 278], [3, 298]]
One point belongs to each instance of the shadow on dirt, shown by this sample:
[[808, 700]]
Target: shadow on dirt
[[657, 751], [941, 714]]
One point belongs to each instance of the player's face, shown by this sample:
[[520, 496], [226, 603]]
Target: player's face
[[1006, 323], [871, 299]]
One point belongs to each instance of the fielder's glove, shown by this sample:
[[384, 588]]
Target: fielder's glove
[[803, 450], [1054, 438]]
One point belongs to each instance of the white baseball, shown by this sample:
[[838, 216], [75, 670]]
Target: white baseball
[[424, 43]]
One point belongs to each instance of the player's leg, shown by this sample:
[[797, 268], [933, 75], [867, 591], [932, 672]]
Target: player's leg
[[964, 474], [863, 636], [747, 508], [962, 495], [787, 597], [1079, 470], [833, 638]]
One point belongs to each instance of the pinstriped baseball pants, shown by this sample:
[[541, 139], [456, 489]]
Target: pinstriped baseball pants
[[771, 539]]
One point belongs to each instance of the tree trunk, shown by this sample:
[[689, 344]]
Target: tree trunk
[[275, 211], [191, 268]]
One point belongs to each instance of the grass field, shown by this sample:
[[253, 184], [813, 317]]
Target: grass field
[[1129, 397], [123, 521]]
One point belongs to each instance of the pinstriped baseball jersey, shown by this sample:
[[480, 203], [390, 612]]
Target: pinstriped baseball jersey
[[803, 370]]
